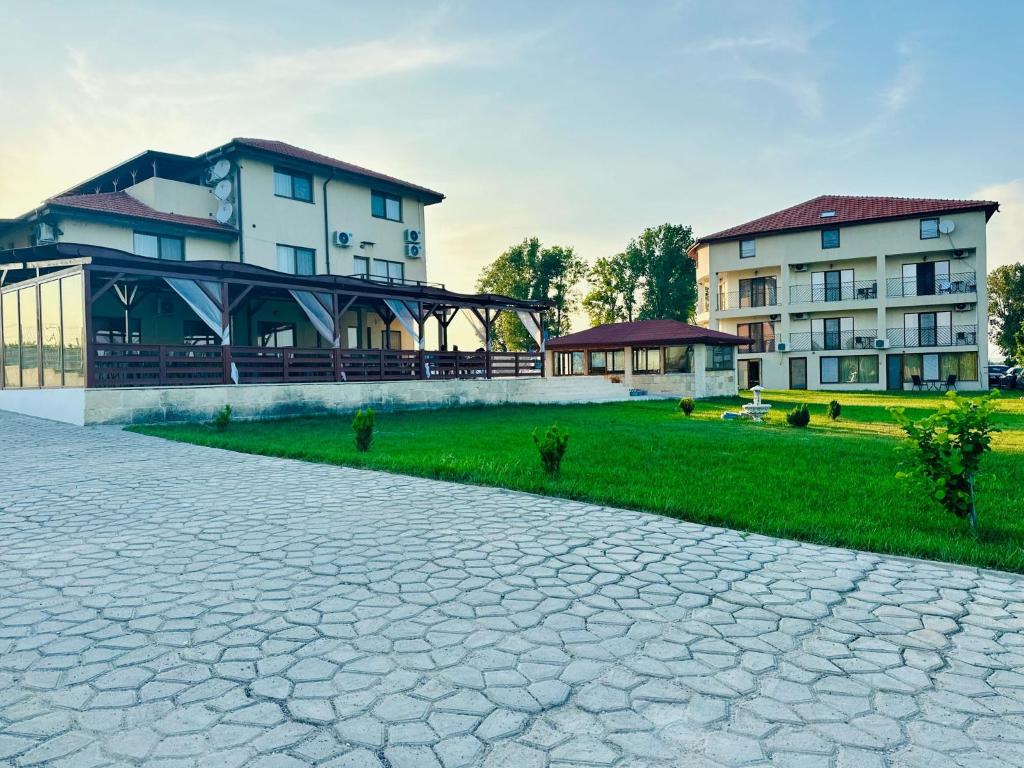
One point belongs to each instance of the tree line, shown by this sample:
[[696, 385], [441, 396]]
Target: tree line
[[652, 278]]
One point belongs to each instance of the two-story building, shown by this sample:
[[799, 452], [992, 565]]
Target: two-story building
[[845, 292]]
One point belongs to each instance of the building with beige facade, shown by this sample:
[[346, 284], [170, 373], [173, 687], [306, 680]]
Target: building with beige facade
[[251, 201], [850, 293]]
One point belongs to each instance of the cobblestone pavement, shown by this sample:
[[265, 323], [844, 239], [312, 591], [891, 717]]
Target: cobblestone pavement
[[171, 605]]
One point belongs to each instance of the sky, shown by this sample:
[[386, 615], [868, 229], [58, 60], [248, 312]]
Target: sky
[[579, 122]]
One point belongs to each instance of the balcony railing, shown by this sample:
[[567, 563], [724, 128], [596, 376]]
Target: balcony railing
[[859, 290], [942, 336], [756, 297], [958, 284], [861, 338], [162, 365], [758, 345]]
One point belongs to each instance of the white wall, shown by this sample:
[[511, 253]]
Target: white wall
[[67, 405]]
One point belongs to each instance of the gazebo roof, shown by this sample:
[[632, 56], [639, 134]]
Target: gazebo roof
[[641, 332]]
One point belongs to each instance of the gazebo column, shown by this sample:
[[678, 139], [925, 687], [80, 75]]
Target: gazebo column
[[627, 366], [700, 360]]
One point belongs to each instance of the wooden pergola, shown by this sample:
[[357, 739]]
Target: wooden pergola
[[226, 296]]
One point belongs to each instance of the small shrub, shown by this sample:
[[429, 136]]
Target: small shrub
[[223, 418], [834, 409], [947, 450], [799, 416], [362, 425], [552, 448], [686, 405]]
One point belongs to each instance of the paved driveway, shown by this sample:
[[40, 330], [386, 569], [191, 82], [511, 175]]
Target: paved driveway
[[171, 605]]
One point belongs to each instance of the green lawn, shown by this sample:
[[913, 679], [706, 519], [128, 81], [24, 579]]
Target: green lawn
[[832, 483]]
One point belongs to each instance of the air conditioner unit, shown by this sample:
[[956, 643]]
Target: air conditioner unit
[[966, 307], [45, 233], [881, 343], [413, 250], [781, 346], [774, 317], [959, 253], [344, 239], [800, 316], [799, 267], [413, 236]]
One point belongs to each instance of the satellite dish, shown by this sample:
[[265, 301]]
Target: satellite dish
[[224, 213], [223, 189], [946, 227], [220, 169]]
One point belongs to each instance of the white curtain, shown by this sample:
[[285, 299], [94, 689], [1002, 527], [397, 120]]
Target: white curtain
[[477, 325], [205, 307], [405, 317], [532, 327], [318, 314]]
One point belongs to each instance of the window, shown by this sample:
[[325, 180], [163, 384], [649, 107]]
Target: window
[[385, 206], [939, 366], [833, 285], [12, 340], [569, 364], [719, 358], [610, 361], [198, 333], [274, 334], [293, 184], [647, 360], [110, 330], [679, 359], [855, 369], [49, 310], [28, 307], [390, 339], [159, 247], [929, 229], [926, 278], [296, 261], [927, 329], [352, 333], [73, 330], [832, 333], [388, 271], [830, 237], [758, 292], [748, 249], [361, 266], [761, 335]]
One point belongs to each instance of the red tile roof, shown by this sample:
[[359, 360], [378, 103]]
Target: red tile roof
[[123, 204], [848, 210], [643, 332], [297, 153]]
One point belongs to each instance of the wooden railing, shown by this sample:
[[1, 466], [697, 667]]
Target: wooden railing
[[167, 365]]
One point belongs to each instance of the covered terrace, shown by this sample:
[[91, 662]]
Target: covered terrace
[[85, 316]]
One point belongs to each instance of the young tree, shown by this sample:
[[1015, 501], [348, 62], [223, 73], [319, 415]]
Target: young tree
[[613, 295], [528, 270], [668, 276], [1006, 309]]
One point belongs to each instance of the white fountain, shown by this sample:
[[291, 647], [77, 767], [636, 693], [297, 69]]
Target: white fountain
[[756, 410]]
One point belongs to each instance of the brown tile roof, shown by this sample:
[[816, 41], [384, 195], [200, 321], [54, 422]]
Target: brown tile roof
[[644, 332], [297, 153], [848, 210], [123, 204]]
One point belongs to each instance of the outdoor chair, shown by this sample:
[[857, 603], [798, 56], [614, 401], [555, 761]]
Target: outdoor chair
[[917, 382], [951, 381]]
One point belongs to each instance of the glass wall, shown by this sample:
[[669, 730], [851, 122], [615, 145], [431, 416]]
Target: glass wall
[[938, 366], [11, 336], [719, 358], [679, 359], [43, 334]]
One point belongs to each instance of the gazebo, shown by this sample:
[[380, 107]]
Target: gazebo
[[658, 356]]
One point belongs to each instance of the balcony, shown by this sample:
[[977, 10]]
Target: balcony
[[954, 285], [860, 290], [861, 338], [757, 345], [950, 336], [761, 296]]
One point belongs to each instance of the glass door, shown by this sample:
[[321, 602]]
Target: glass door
[[798, 373]]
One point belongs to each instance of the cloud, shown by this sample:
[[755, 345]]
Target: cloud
[[1005, 235]]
